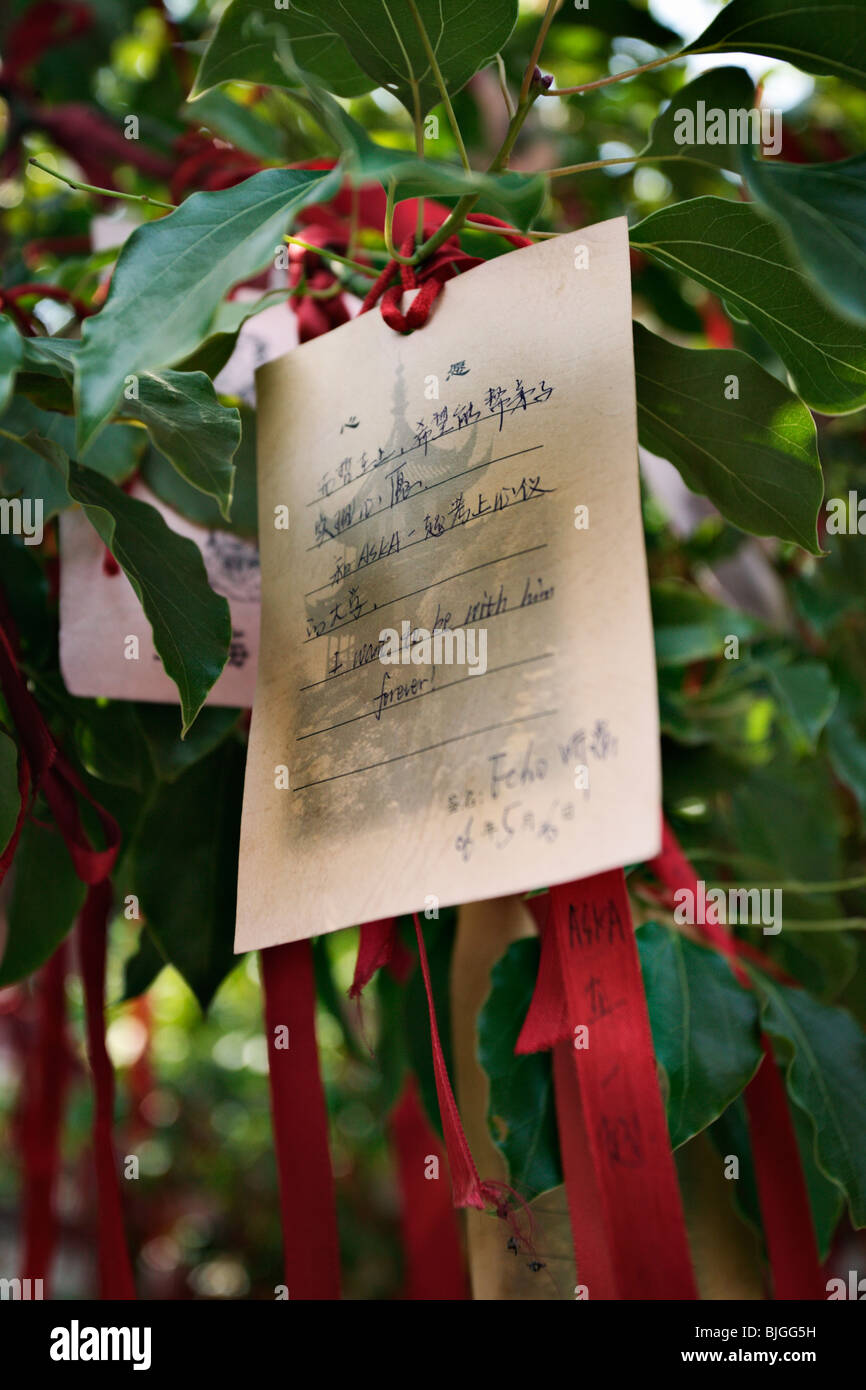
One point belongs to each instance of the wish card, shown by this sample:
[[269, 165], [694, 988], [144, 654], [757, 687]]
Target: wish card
[[456, 694]]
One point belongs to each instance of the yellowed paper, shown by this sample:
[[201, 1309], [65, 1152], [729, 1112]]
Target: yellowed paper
[[106, 645], [456, 691]]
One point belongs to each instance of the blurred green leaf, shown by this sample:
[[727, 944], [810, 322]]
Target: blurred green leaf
[[242, 50], [691, 627], [521, 1115], [822, 208], [822, 36], [10, 798], [46, 898], [824, 1054], [385, 41], [725, 89], [741, 256], [171, 278], [10, 358], [735, 433], [704, 1027], [191, 637], [186, 869]]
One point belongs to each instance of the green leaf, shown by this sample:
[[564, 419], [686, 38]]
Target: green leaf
[[179, 409], [172, 756], [704, 1027], [689, 626], [186, 869], [821, 36], [46, 898], [189, 426], [741, 256], [825, 1199], [191, 624], [10, 358], [822, 208], [214, 352], [172, 276], [142, 968], [847, 752], [242, 50], [755, 457], [808, 697], [10, 799], [29, 471], [385, 41], [518, 196], [824, 1055], [618, 18], [724, 89], [521, 1116], [171, 488]]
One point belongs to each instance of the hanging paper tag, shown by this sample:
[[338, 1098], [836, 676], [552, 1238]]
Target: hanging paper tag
[[456, 695], [106, 646]]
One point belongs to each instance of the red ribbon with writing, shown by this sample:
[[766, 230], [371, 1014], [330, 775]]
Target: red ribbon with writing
[[589, 1005]]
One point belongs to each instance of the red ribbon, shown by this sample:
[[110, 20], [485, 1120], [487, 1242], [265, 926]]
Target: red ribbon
[[786, 1214], [310, 1241], [376, 943], [47, 1079], [628, 1226], [45, 768], [115, 1268], [431, 1242]]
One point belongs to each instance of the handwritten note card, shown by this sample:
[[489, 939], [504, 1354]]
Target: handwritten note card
[[456, 691], [106, 646]]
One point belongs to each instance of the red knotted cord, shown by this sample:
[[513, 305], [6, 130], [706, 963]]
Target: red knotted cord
[[468, 1190], [428, 279]]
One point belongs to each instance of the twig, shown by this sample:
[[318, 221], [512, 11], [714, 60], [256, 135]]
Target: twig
[[102, 192], [327, 254], [614, 77], [536, 52]]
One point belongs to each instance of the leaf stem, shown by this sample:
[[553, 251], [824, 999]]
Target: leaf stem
[[614, 77], [506, 231], [503, 85], [394, 254], [440, 83], [102, 192], [328, 255]]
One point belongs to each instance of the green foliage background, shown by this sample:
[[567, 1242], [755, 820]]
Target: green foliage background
[[740, 265]]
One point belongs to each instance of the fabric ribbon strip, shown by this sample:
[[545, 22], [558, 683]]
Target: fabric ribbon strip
[[49, 771], [628, 1225], [309, 1218], [786, 1215], [47, 1080], [431, 1242], [115, 1269]]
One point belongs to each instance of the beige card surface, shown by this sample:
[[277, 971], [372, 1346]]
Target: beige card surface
[[99, 613], [456, 692]]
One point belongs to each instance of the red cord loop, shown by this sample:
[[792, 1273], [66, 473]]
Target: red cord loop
[[428, 279]]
